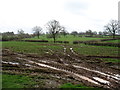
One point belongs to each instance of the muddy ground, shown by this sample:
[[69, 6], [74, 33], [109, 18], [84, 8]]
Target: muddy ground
[[56, 68]]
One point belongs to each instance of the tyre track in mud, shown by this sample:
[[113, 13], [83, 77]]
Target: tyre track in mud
[[104, 76], [92, 80], [75, 71], [70, 55], [64, 69]]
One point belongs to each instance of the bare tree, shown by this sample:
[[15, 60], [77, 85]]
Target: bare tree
[[119, 27], [112, 27], [54, 28], [37, 30], [21, 32], [63, 31]]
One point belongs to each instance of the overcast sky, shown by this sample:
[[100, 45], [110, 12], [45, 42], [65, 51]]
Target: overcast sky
[[78, 15]]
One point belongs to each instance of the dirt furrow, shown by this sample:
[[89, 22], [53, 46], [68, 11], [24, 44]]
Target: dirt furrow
[[81, 73], [64, 70]]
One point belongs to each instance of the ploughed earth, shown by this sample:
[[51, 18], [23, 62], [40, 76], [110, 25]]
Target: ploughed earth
[[57, 68]]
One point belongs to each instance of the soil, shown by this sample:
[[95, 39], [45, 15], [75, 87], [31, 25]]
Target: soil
[[57, 68]]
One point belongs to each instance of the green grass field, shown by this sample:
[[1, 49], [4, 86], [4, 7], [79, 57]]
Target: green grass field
[[29, 47], [113, 41], [96, 50], [17, 81], [70, 85], [39, 48], [111, 60], [69, 38]]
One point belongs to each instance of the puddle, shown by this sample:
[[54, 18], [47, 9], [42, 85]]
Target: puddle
[[101, 80], [66, 64], [68, 55], [80, 76], [43, 65], [72, 51], [13, 63], [27, 65], [109, 76], [117, 75], [64, 50], [44, 61], [87, 79], [46, 52]]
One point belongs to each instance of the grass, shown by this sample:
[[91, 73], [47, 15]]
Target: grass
[[20, 81], [96, 50], [0, 80], [0, 45], [111, 60], [76, 38], [29, 47], [69, 38], [42, 48], [16, 81], [113, 41]]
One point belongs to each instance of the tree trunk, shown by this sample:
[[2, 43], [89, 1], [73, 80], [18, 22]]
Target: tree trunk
[[114, 34], [54, 38], [38, 35]]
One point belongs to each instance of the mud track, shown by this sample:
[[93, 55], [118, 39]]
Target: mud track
[[78, 67]]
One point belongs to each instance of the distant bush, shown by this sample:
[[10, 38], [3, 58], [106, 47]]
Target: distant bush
[[9, 36], [75, 42], [97, 43], [62, 41], [65, 41], [35, 40], [103, 44], [78, 42], [59, 41], [109, 39], [88, 36]]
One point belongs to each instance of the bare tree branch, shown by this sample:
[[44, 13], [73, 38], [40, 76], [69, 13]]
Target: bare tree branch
[[37, 30], [112, 27], [54, 28]]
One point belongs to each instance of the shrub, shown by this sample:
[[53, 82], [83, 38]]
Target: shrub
[[35, 40], [103, 44], [65, 41]]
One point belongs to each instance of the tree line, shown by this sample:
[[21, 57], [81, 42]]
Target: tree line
[[54, 28]]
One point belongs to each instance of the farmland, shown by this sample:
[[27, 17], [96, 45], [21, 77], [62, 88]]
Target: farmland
[[69, 38], [60, 65]]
